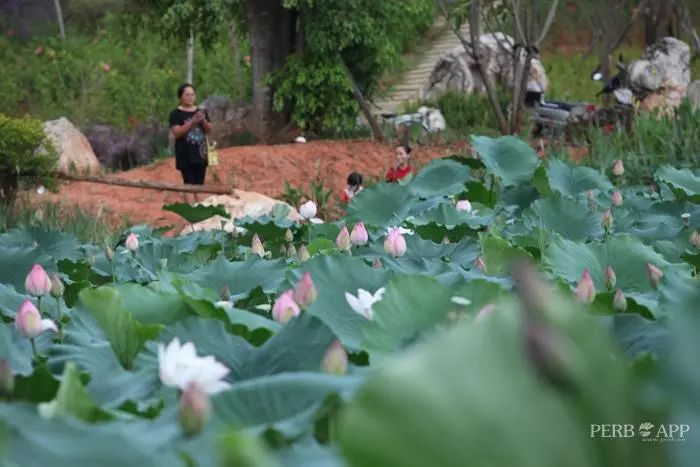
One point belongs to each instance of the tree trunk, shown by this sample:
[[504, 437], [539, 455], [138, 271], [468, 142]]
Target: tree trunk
[[272, 29], [364, 106], [59, 17], [190, 58], [239, 86]]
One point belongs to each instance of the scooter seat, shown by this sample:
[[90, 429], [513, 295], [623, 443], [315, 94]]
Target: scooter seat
[[559, 105]]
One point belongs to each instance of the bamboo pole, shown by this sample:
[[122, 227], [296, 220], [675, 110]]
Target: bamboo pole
[[149, 184]]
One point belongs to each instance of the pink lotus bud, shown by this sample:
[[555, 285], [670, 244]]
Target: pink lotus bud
[[618, 168], [585, 292], [7, 378], [395, 244], [342, 241], [132, 242], [359, 236], [695, 239], [377, 264], [288, 236], [480, 264], [619, 301], [195, 409], [464, 205], [335, 361], [106, 67], [57, 287], [29, 323], [303, 254], [305, 291], [37, 283], [655, 274], [285, 307], [39, 50], [257, 246], [485, 312], [607, 220], [610, 278], [617, 199]]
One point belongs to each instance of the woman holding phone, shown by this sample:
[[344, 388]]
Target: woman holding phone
[[189, 125]]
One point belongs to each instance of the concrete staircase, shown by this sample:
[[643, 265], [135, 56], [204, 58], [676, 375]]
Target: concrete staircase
[[410, 86]]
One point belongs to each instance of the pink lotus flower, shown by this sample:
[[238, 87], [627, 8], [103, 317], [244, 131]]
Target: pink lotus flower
[[695, 239], [618, 168], [257, 246], [359, 236], [655, 274], [39, 50], [106, 67], [585, 292], [395, 243], [342, 241], [335, 361], [480, 264], [464, 205], [37, 283], [29, 323], [132, 242], [485, 312], [610, 278], [607, 220], [619, 301], [285, 307], [617, 199], [305, 292], [195, 409]]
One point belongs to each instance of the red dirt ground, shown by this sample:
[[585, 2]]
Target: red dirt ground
[[263, 169]]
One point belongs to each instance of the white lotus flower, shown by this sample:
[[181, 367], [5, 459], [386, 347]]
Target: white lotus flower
[[402, 230], [363, 303], [180, 366], [461, 301], [308, 210], [316, 220]]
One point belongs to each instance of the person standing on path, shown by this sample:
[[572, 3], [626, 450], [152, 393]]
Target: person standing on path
[[189, 125]]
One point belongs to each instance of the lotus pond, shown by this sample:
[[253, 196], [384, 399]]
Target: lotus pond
[[514, 329]]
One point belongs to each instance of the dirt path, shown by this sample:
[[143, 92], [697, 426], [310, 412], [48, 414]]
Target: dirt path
[[262, 169]]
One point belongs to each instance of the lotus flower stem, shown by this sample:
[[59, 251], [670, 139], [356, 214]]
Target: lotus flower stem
[[34, 353], [59, 317]]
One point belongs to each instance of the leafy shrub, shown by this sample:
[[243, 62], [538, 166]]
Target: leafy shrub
[[24, 150]]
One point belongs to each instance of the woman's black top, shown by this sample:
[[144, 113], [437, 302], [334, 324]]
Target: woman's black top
[[191, 148]]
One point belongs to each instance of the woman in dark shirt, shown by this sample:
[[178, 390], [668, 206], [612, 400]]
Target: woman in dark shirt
[[189, 126]]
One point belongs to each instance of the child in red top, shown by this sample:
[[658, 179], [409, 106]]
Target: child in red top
[[353, 188], [403, 166]]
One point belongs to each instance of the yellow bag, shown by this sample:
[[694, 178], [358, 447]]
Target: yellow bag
[[212, 155]]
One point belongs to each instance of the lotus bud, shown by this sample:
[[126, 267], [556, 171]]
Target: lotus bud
[[377, 264], [655, 274], [39, 215], [257, 246], [29, 323], [291, 251], [607, 220], [57, 287], [342, 241], [464, 205], [109, 253], [445, 240], [618, 168], [695, 239], [335, 361], [480, 264], [37, 283], [288, 236], [308, 210], [285, 307], [7, 379], [585, 292], [305, 291], [395, 244], [195, 409], [359, 236], [283, 250], [303, 254], [686, 219], [619, 301], [617, 199], [610, 278], [484, 312], [225, 293], [132, 242]]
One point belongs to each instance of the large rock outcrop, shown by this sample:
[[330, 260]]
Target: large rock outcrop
[[241, 204], [457, 70], [75, 155], [123, 150], [230, 120]]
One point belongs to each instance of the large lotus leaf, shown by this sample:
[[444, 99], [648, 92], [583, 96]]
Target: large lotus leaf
[[565, 216], [448, 216], [442, 177], [18, 261], [480, 293], [509, 158], [573, 181], [126, 335], [72, 399], [150, 306], [269, 229], [110, 384], [462, 253], [628, 257], [381, 205], [636, 335], [411, 306], [445, 273], [241, 276], [155, 255], [662, 220], [684, 183], [499, 255], [15, 350], [69, 442], [309, 453], [287, 402], [57, 245], [519, 197], [333, 276], [195, 213]]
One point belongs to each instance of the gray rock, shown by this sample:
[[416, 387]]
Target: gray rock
[[693, 95], [230, 120], [122, 150]]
